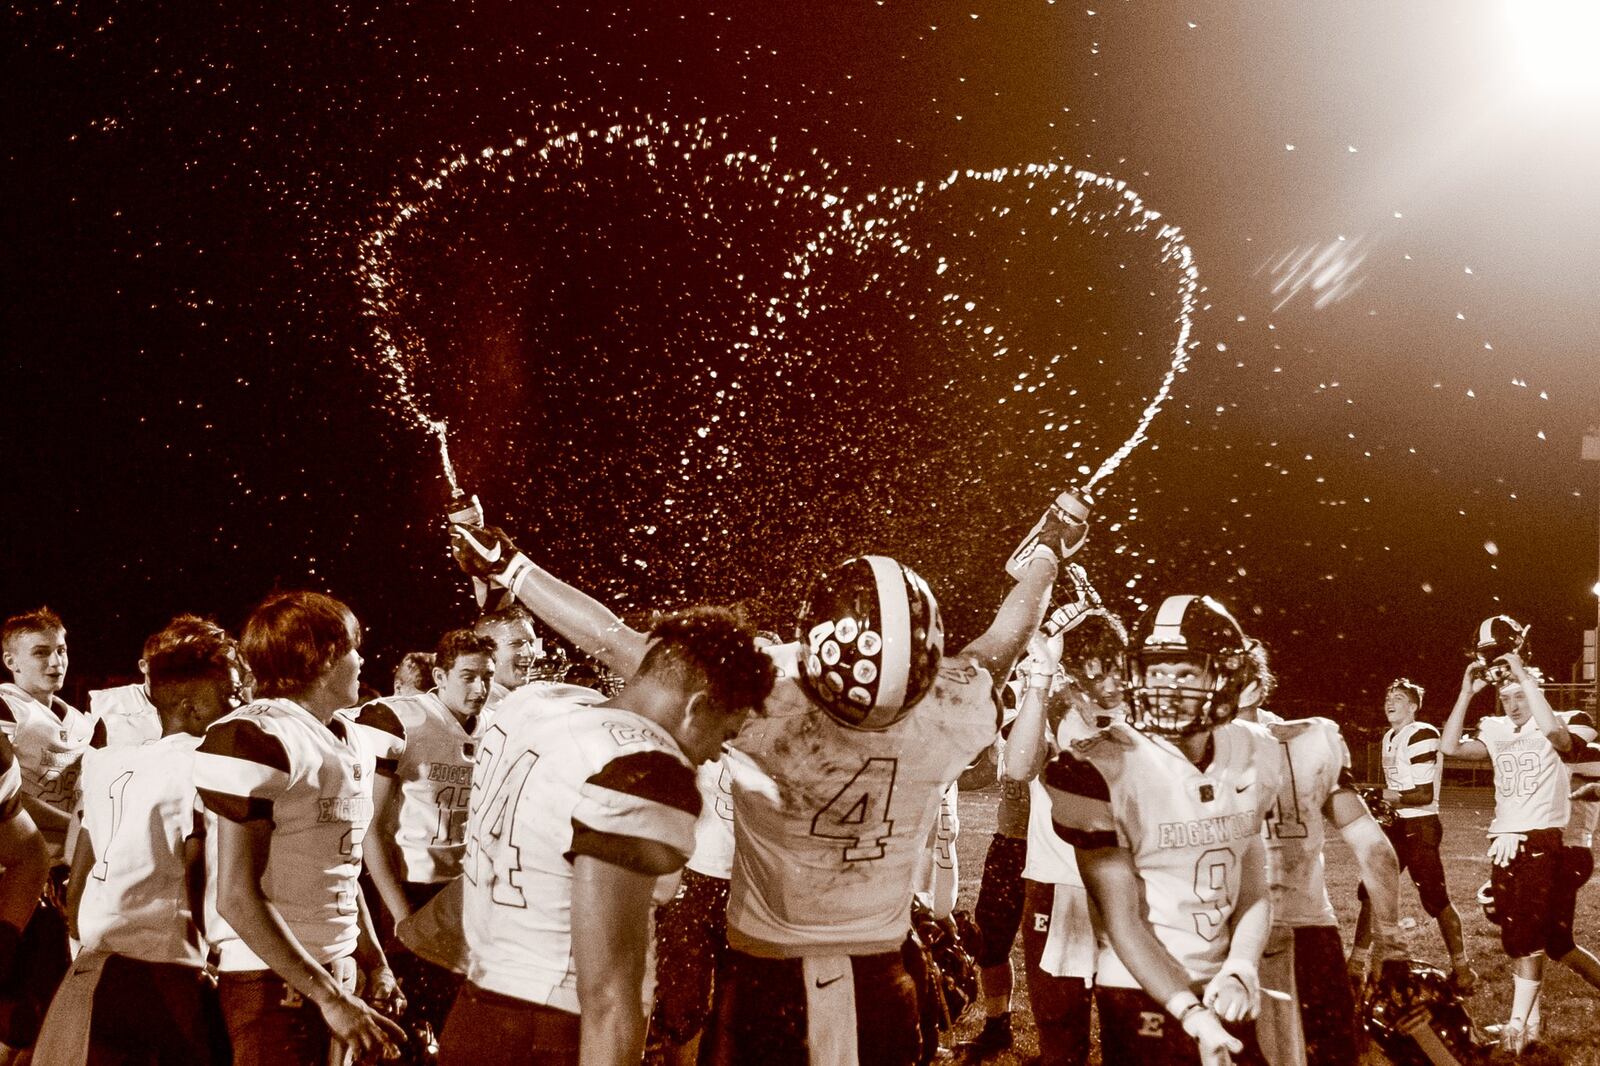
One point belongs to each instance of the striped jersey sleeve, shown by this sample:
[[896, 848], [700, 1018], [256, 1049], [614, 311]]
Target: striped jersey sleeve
[[1080, 803], [1421, 753], [633, 801], [381, 730], [10, 781], [240, 769]]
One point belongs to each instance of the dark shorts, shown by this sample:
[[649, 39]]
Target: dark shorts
[[150, 1012], [1060, 1004], [41, 960], [760, 1013], [270, 1023], [691, 937], [1136, 1029], [486, 1027], [998, 911], [1526, 894], [1416, 845], [1327, 1008], [1575, 867]]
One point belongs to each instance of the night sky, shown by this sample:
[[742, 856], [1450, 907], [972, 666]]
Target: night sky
[[676, 369]]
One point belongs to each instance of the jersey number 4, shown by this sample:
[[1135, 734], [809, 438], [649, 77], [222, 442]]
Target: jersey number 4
[[859, 814], [492, 813], [1284, 820]]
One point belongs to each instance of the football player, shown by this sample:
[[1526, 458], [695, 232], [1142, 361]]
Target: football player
[[414, 673], [998, 913], [1165, 812], [518, 649], [25, 861], [138, 990], [290, 781], [48, 735], [1317, 1021], [578, 811], [420, 809], [1524, 747], [836, 789], [1059, 935], [126, 715], [1411, 777]]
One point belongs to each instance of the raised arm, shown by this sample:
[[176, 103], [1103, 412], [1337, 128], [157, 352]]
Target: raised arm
[[1450, 741], [1003, 643], [1028, 745], [1554, 729], [582, 620]]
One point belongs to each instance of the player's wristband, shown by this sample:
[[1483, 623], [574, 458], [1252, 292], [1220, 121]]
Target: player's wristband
[[1182, 1004], [1195, 1017], [518, 568]]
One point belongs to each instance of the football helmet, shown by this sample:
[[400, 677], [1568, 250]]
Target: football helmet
[[871, 640], [1417, 1019], [1495, 637], [1486, 900], [1196, 630]]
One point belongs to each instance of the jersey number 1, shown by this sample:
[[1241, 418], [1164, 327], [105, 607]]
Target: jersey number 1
[[859, 814], [115, 795]]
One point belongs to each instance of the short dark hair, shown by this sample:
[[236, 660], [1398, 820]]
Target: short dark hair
[[1099, 636], [713, 648], [414, 666], [183, 654], [510, 615], [1412, 690], [1256, 668], [38, 620], [458, 642], [292, 638], [182, 627]]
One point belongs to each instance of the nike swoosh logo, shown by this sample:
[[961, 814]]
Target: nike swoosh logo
[[832, 980], [1240, 788]]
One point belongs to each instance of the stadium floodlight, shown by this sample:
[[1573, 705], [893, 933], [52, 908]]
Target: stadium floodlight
[[1559, 44]]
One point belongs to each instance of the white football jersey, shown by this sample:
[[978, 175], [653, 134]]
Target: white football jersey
[[1584, 768], [938, 879], [273, 759], [1051, 860], [428, 818], [139, 807], [554, 780], [1188, 829], [1411, 758], [1314, 760], [1530, 780], [713, 830], [49, 743], [829, 822], [126, 713]]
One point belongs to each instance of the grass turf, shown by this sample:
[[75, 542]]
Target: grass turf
[[1570, 1007]]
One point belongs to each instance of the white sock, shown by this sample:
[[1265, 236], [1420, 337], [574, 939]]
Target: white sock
[[1533, 1015], [1524, 997]]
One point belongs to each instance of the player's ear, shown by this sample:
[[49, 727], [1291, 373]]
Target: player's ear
[[439, 676], [1250, 695]]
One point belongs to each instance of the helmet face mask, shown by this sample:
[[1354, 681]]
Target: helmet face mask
[[871, 641], [1185, 667]]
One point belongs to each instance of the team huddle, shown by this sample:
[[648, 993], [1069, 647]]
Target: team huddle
[[718, 847]]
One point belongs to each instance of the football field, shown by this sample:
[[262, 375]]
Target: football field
[[1571, 1008]]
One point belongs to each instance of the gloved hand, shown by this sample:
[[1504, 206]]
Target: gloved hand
[[1235, 993], [1057, 535], [1217, 1045], [1503, 847], [487, 554], [1083, 599], [1039, 667]]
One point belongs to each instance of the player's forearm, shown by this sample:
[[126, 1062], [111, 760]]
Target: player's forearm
[[1252, 914], [612, 1032], [1018, 618], [1450, 736], [384, 866], [1117, 891], [49, 819], [82, 862], [26, 859], [369, 953], [1554, 729], [1026, 747], [1380, 875], [587, 623], [264, 931]]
